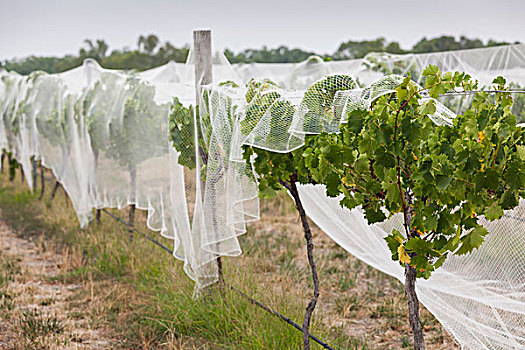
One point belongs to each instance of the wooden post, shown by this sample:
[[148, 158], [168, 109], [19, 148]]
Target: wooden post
[[202, 60], [202, 57]]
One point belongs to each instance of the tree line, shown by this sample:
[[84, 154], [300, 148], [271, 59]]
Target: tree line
[[152, 52]]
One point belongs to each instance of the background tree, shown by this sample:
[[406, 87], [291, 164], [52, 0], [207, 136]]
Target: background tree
[[95, 50], [281, 54], [148, 43], [358, 49], [150, 52]]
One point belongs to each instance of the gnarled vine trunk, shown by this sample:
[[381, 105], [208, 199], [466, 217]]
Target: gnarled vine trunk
[[95, 155], [131, 222], [42, 181], [292, 187], [214, 179], [65, 158], [413, 307], [97, 216], [410, 279]]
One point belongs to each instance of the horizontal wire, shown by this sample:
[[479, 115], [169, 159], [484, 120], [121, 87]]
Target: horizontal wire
[[455, 93], [452, 93], [252, 300], [139, 232], [284, 318]]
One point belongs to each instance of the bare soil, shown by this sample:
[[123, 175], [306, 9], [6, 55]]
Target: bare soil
[[37, 312]]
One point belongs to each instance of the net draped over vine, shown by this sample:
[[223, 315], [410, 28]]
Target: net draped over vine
[[113, 138]]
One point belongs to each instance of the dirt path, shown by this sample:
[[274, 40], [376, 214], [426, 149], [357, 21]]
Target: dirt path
[[37, 312]]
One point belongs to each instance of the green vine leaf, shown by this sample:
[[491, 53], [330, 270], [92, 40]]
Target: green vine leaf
[[392, 159], [472, 240]]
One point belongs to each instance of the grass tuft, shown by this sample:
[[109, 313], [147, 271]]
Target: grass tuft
[[34, 325]]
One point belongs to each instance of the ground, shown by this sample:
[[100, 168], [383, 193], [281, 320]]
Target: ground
[[37, 311], [62, 287]]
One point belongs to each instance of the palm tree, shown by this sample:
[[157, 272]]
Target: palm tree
[[148, 43]]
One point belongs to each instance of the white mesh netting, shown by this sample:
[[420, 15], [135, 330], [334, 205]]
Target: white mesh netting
[[114, 138]]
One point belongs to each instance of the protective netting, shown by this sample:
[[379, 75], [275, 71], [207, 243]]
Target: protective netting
[[115, 138]]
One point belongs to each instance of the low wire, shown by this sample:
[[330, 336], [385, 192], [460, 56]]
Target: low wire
[[275, 313], [456, 93], [244, 295], [453, 93], [139, 232]]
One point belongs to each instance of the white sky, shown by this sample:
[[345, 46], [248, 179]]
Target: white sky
[[58, 27]]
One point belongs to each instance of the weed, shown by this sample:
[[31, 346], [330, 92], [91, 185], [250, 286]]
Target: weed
[[339, 254], [9, 269], [392, 310], [76, 315], [347, 306], [47, 301], [405, 342], [34, 325], [332, 270]]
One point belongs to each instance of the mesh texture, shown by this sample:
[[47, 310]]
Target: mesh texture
[[114, 138]]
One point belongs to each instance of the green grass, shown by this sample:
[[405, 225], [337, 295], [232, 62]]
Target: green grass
[[35, 325], [159, 300], [9, 269]]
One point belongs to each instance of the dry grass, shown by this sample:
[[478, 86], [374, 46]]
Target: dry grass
[[34, 308], [357, 302], [130, 304]]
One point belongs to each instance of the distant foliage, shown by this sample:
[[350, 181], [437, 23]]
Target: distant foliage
[[282, 54], [151, 52]]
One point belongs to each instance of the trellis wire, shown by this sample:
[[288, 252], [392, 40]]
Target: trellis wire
[[452, 93], [139, 232], [244, 295]]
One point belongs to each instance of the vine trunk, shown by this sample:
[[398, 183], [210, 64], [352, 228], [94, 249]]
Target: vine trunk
[[133, 183], [410, 279], [42, 182], [292, 187]]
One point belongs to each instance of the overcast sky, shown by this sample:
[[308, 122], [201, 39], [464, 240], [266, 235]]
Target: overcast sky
[[54, 27]]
